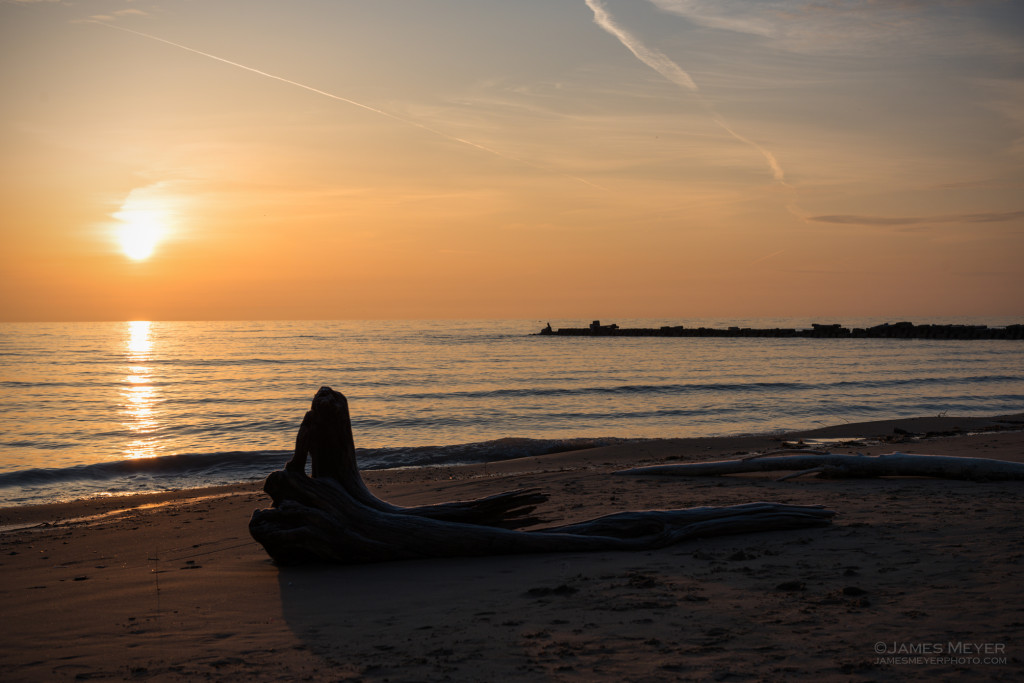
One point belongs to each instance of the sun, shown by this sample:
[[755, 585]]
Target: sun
[[139, 233], [143, 222]]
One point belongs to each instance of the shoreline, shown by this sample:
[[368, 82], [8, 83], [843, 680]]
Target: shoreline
[[171, 586], [917, 429]]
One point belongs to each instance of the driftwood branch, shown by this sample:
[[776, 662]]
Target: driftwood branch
[[836, 465], [318, 521], [325, 437], [332, 516]]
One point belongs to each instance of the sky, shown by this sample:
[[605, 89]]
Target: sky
[[543, 159]]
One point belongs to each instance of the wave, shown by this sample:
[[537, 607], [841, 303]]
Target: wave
[[203, 468], [477, 452], [169, 465], [712, 387], [554, 392]]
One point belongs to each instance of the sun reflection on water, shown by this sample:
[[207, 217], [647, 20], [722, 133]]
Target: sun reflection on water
[[139, 343], [138, 393]]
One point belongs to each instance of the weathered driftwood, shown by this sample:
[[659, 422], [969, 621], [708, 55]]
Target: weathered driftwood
[[332, 516], [325, 437], [836, 465]]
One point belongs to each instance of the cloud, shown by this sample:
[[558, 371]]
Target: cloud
[[1006, 98], [113, 16], [844, 25], [989, 217]]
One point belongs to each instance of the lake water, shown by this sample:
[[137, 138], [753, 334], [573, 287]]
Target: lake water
[[96, 408]]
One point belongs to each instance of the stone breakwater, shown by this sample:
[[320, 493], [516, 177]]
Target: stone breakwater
[[900, 330]]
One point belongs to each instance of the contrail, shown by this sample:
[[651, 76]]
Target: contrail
[[408, 122], [652, 58], [777, 171], [767, 256], [674, 73]]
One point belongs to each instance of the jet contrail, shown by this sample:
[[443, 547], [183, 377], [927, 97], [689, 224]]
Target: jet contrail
[[672, 71], [777, 171], [310, 88], [652, 58], [766, 257]]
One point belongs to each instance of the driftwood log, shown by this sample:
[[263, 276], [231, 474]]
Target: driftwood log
[[836, 465], [332, 516], [325, 437]]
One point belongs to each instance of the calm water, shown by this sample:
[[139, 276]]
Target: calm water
[[91, 408]]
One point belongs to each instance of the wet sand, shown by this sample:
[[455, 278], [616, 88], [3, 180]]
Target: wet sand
[[171, 586]]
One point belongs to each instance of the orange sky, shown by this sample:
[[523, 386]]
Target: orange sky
[[495, 159]]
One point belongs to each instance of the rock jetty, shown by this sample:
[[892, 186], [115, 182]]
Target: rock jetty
[[900, 330]]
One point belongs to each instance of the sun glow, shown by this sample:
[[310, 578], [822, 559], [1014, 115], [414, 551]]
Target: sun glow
[[140, 232], [145, 220]]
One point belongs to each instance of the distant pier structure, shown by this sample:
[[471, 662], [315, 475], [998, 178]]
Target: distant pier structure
[[900, 330]]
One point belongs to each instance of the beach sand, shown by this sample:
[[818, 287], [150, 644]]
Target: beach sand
[[171, 586]]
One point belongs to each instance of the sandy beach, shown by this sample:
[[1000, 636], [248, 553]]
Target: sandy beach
[[916, 579]]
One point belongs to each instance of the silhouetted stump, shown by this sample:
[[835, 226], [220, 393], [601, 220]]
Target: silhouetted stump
[[333, 517], [837, 465], [325, 437]]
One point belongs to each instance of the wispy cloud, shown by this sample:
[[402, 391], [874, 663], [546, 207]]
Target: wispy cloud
[[846, 25], [113, 16], [1006, 97], [852, 219]]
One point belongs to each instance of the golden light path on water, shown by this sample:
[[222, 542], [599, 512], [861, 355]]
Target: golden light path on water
[[138, 393]]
